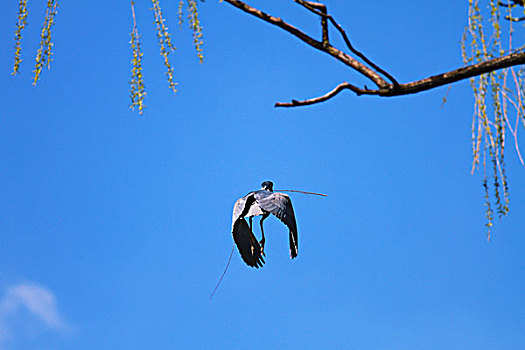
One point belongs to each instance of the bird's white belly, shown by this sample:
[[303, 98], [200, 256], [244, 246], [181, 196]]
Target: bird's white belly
[[255, 210]]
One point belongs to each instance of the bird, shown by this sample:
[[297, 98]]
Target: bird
[[262, 202]]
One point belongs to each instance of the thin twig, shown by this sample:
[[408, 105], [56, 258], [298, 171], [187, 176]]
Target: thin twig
[[332, 51], [314, 7], [324, 14], [423, 84], [384, 89], [515, 134], [222, 276], [317, 194], [327, 96]]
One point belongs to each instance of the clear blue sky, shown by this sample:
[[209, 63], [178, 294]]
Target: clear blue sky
[[114, 227]]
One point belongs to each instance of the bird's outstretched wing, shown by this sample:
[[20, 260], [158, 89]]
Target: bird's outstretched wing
[[247, 244], [243, 237], [280, 205]]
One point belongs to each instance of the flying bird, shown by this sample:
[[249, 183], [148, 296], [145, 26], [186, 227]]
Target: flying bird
[[263, 202]]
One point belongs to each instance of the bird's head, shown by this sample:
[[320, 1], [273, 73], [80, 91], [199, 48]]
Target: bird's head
[[267, 185]]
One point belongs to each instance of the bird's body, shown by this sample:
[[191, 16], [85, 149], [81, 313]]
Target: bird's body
[[261, 203]]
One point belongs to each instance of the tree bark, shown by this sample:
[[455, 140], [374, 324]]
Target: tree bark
[[367, 68]]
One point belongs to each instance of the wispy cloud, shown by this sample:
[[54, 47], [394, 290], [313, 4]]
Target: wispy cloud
[[37, 302]]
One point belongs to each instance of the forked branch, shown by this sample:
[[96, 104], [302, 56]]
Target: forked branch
[[420, 85], [324, 14], [364, 66], [329, 49]]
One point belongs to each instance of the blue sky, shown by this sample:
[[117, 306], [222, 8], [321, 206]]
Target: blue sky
[[115, 227]]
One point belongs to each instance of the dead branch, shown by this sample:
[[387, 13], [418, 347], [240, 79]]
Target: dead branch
[[332, 51], [368, 68], [310, 6], [328, 95]]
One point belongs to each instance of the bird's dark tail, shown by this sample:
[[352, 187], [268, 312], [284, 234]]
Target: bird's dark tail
[[247, 244]]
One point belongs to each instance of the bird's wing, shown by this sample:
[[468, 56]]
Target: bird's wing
[[280, 205], [241, 207], [247, 244], [238, 208], [243, 237]]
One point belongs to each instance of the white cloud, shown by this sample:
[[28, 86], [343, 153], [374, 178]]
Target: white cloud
[[37, 302]]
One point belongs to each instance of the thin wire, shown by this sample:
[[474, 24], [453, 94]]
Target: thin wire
[[317, 194], [220, 280]]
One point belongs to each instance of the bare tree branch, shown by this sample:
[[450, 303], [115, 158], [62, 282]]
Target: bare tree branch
[[328, 96], [420, 85], [319, 9], [332, 51], [308, 5], [372, 71], [455, 75]]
